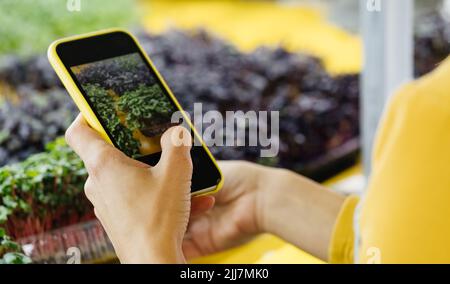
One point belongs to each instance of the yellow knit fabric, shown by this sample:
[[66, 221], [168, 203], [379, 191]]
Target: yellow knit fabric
[[342, 240], [405, 215]]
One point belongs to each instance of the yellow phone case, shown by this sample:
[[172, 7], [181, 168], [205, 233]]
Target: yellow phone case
[[87, 111]]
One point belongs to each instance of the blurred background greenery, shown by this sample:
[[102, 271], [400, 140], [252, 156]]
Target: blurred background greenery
[[27, 27]]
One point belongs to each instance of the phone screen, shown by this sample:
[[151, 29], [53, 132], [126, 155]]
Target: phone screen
[[130, 101]]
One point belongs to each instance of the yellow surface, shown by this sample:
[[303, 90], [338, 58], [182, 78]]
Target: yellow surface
[[265, 249], [249, 24]]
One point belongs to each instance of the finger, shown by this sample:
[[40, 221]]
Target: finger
[[231, 168], [191, 249], [176, 157], [90, 146], [93, 194], [218, 229], [101, 220], [237, 175], [199, 239], [97, 215], [82, 138], [201, 205], [89, 190]]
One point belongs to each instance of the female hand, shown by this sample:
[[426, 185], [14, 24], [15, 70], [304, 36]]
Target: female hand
[[257, 199], [238, 212], [144, 210]]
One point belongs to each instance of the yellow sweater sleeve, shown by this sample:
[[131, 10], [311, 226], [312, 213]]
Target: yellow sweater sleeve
[[342, 239], [404, 215]]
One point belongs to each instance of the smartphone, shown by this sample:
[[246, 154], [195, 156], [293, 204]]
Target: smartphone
[[122, 96]]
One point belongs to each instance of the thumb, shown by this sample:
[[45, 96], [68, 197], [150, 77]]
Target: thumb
[[175, 159]]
